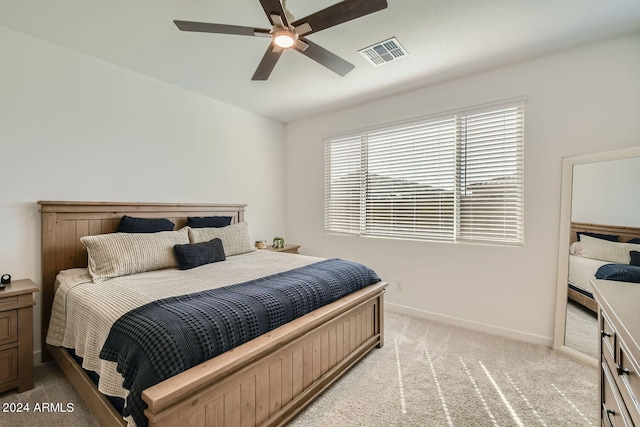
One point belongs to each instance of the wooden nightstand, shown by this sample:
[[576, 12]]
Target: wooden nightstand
[[290, 249], [16, 335]]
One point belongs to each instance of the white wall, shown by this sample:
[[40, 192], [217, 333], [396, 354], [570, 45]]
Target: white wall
[[607, 193], [580, 101], [76, 128]]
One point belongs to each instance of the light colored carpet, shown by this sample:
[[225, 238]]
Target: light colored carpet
[[427, 374], [51, 387], [431, 374], [581, 331]]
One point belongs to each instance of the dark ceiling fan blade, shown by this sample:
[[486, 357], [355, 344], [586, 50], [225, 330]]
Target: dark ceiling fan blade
[[267, 63], [323, 57], [274, 7], [343, 11], [205, 27]]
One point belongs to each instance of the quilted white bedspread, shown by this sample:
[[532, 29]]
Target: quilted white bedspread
[[582, 270]]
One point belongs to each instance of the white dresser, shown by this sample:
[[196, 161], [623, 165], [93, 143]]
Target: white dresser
[[619, 320]]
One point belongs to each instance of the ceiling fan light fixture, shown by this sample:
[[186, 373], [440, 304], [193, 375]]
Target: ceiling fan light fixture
[[284, 38]]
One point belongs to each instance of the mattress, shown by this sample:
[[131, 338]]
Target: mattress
[[83, 311], [582, 270]]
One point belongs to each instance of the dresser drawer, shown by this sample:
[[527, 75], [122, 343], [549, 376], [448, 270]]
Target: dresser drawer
[[614, 412], [8, 365], [8, 326], [608, 334], [628, 380]]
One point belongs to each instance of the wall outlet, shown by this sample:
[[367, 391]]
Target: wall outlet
[[399, 285]]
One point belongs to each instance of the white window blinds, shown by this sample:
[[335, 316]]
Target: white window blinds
[[344, 173], [490, 185], [453, 177], [410, 181]]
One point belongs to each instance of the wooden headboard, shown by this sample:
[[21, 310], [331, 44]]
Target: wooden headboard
[[64, 223], [625, 233]]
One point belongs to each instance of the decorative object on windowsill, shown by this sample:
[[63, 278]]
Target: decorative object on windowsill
[[261, 244], [278, 243]]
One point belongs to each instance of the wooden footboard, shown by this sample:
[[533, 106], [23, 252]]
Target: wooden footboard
[[269, 380], [266, 381], [583, 300]]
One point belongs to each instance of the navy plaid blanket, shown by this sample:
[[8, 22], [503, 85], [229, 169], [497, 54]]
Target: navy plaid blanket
[[165, 337], [619, 273]]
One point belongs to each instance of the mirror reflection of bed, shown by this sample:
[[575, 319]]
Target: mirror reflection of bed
[[581, 324], [604, 208]]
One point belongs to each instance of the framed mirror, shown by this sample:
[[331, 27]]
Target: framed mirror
[[599, 196]]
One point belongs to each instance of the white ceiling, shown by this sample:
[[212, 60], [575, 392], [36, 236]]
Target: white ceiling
[[444, 38]]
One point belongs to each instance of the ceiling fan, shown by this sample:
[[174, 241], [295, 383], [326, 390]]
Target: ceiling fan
[[285, 34]]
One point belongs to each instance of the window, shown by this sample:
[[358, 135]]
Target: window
[[452, 177]]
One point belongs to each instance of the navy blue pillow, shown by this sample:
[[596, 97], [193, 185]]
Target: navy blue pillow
[[619, 272], [197, 254], [635, 240], [635, 258], [208, 221], [130, 224], [609, 237]]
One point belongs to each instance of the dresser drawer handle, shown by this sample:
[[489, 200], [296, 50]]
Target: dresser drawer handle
[[605, 333], [609, 413], [622, 371]]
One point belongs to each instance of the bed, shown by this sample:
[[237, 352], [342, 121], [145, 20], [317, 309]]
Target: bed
[[583, 269], [265, 381]]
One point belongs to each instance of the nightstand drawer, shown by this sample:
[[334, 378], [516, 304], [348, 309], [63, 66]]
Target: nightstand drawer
[[8, 303], [16, 335], [8, 365], [8, 326]]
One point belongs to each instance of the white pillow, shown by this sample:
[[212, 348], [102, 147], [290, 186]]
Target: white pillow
[[606, 250], [119, 254], [575, 249], [235, 237]]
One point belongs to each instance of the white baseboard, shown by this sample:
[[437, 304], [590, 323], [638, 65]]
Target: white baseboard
[[476, 326]]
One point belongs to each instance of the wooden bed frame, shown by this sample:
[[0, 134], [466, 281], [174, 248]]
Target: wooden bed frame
[[625, 233], [266, 381]]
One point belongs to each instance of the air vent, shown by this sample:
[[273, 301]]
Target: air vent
[[383, 52]]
